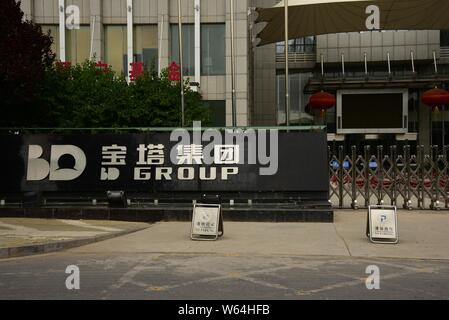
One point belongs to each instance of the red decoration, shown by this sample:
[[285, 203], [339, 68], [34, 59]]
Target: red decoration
[[103, 66], [136, 70], [435, 98], [174, 72], [64, 65], [322, 101]]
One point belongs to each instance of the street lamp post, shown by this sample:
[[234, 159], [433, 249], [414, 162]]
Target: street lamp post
[[181, 63], [287, 82], [443, 134], [234, 107]]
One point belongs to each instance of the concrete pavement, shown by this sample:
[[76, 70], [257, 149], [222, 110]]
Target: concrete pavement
[[23, 236], [252, 261], [220, 277], [423, 235]]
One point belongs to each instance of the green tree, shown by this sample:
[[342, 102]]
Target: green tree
[[25, 53], [85, 96], [157, 102]]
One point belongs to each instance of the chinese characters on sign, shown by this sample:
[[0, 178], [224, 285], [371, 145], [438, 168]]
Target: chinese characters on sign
[[227, 154], [112, 157], [382, 223], [191, 154], [206, 221], [149, 155], [183, 160], [179, 156], [153, 156]]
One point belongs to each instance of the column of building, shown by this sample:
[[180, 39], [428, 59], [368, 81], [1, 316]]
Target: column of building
[[96, 26], [241, 62], [163, 33]]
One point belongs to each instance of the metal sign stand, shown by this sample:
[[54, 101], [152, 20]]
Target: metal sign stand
[[382, 225], [207, 222]]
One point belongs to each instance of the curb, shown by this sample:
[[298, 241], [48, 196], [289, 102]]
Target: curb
[[23, 251], [259, 213]]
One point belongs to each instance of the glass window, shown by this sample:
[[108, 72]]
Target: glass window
[[54, 33], [444, 38], [145, 45], [280, 47], [188, 40], [298, 100], [217, 111], [115, 47], [292, 46], [77, 43], [301, 45], [280, 90], [213, 60]]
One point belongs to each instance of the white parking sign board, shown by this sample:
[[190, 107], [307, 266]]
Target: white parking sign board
[[206, 222], [382, 224]]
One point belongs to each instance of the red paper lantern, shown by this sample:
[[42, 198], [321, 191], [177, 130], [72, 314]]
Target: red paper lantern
[[102, 66], [63, 65], [435, 98], [322, 101], [137, 70], [174, 72]]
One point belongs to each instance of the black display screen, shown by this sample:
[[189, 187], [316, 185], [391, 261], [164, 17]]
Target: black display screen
[[372, 111]]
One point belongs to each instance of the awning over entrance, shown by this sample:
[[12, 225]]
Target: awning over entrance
[[332, 85], [316, 17]]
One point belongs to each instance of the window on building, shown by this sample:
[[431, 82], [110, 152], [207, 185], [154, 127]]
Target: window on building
[[301, 45], [298, 100], [77, 43], [188, 40], [54, 33], [213, 50], [217, 111], [444, 38], [413, 111], [213, 61], [146, 45], [115, 47]]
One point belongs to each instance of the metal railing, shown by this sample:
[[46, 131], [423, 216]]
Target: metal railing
[[390, 176], [24, 130], [444, 53], [295, 57]]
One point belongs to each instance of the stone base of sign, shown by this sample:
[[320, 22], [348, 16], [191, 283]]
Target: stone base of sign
[[312, 212]]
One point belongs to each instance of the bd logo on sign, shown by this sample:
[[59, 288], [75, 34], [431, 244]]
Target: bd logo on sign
[[67, 163]]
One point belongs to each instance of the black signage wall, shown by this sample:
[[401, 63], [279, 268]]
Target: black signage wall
[[203, 161]]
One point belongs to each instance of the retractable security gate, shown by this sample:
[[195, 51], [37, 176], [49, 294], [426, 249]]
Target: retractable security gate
[[397, 177]]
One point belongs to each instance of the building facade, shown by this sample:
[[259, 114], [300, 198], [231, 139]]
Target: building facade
[[110, 29], [353, 66], [361, 64]]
